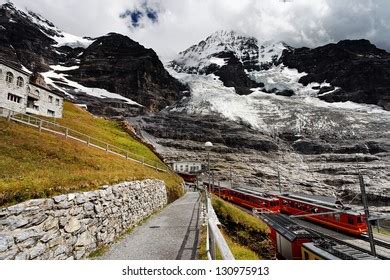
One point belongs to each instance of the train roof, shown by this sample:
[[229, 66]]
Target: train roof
[[255, 194], [333, 250], [328, 203], [287, 227], [311, 246]]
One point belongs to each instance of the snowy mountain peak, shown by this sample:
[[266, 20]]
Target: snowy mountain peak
[[213, 50], [18, 15]]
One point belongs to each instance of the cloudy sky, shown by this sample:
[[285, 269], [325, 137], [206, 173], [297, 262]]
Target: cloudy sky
[[170, 26]]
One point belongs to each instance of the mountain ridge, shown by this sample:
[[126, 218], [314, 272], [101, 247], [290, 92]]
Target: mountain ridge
[[34, 42]]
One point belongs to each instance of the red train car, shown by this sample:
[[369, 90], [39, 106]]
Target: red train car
[[286, 236], [247, 198], [336, 217]]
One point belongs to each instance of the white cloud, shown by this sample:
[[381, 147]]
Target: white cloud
[[182, 23]]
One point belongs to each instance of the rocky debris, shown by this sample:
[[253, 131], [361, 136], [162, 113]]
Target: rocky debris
[[360, 69], [218, 130], [75, 224], [313, 163]]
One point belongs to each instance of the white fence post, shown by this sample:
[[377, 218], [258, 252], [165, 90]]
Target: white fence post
[[215, 239], [40, 125], [107, 146], [66, 133]]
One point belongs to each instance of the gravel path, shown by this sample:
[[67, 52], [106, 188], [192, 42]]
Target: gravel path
[[170, 235]]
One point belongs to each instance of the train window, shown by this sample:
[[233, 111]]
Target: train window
[[285, 202], [350, 220], [359, 220], [337, 217]]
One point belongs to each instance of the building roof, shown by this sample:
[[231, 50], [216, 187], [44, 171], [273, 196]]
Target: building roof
[[187, 161], [287, 227]]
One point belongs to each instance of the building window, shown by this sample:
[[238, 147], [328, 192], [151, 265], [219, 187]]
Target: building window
[[50, 113], [9, 78], [19, 82], [28, 89], [37, 92], [57, 102], [50, 99], [14, 98]]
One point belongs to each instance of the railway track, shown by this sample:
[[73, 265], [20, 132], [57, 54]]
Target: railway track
[[362, 244], [382, 247], [377, 241]]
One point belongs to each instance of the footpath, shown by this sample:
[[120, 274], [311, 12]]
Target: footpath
[[172, 234]]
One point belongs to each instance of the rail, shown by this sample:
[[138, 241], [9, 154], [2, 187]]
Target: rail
[[215, 239], [68, 133]]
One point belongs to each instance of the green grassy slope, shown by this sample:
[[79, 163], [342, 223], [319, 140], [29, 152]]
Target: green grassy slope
[[244, 231], [35, 165]]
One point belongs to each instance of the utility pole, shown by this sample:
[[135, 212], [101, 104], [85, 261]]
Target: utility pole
[[212, 179], [367, 214], [208, 169], [280, 187], [231, 180]]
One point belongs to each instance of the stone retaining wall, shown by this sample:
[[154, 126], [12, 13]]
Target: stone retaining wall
[[73, 225]]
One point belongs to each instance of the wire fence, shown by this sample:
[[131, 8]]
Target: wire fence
[[68, 133]]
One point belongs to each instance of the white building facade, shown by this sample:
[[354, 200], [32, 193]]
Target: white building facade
[[18, 94], [187, 167]]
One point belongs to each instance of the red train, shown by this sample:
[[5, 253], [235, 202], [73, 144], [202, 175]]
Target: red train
[[260, 201], [335, 216]]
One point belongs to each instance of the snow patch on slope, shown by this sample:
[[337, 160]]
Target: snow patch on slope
[[72, 41], [282, 78], [55, 77], [62, 38], [267, 112], [269, 51]]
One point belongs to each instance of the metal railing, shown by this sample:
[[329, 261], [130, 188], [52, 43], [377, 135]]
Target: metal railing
[[215, 240], [68, 133]]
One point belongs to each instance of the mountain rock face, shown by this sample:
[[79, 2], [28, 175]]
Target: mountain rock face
[[267, 107], [23, 41], [118, 64], [113, 63], [282, 123], [357, 67]]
